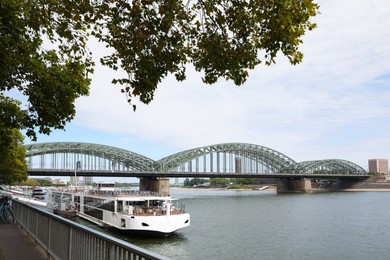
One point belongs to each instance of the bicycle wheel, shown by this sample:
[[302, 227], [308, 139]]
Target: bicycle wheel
[[2, 219], [8, 215]]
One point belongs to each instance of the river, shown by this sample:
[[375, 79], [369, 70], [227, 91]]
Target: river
[[235, 224]]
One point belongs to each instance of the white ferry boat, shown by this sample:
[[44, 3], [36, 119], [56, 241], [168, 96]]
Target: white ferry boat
[[38, 193], [19, 194], [127, 210]]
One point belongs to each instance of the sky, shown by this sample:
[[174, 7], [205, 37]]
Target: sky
[[334, 105]]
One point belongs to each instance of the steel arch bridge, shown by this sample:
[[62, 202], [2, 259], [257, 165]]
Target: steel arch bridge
[[332, 166], [72, 155], [228, 159]]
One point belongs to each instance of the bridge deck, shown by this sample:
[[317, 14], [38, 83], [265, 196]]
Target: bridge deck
[[61, 173]]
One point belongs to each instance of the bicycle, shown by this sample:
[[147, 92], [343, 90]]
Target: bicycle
[[6, 212]]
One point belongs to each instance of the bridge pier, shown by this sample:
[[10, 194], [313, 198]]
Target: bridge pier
[[287, 185], [154, 184]]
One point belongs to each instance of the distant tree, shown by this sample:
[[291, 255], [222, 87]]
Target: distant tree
[[44, 182], [216, 182], [124, 184], [45, 56], [29, 182], [237, 186], [196, 181], [244, 180]]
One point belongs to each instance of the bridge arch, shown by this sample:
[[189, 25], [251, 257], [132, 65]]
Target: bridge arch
[[332, 166], [228, 158], [88, 156]]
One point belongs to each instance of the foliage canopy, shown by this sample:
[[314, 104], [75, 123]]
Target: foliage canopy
[[13, 166], [44, 52]]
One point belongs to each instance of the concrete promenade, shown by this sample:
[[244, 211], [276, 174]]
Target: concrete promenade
[[16, 245]]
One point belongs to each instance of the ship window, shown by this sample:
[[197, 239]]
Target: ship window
[[135, 203], [154, 203], [119, 206], [92, 207], [108, 205], [77, 202], [123, 222], [144, 224]]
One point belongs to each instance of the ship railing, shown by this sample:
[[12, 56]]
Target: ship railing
[[155, 211], [111, 193], [121, 192], [176, 208], [64, 239]]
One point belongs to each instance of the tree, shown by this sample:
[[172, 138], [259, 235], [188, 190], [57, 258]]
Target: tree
[[244, 180], [44, 182], [195, 182], [29, 182], [13, 166], [50, 78], [219, 182], [44, 52]]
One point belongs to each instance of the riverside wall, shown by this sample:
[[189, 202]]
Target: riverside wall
[[373, 183], [376, 182]]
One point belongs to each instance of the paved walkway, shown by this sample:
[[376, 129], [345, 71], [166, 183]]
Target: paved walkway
[[16, 245]]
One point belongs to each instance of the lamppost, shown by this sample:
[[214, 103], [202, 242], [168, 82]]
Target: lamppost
[[75, 172]]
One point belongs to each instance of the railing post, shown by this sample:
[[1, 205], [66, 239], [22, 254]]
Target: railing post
[[111, 252], [70, 243], [49, 238]]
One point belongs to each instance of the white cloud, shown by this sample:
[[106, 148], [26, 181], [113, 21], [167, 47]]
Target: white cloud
[[307, 111]]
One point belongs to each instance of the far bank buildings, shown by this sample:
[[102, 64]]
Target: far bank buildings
[[378, 165]]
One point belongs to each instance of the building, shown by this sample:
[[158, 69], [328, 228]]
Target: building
[[58, 181], [74, 180], [378, 165], [88, 180]]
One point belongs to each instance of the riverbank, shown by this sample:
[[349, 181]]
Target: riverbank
[[374, 183], [249, 187], [336, 186]]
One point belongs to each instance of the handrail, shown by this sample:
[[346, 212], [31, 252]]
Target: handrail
[[65, 239]]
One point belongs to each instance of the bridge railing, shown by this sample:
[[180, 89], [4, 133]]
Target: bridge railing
[[65, 239]]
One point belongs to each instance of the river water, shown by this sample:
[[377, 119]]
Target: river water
[[231, 224]]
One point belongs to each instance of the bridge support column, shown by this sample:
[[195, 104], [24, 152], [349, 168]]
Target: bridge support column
[[154, 184], [285, 185]]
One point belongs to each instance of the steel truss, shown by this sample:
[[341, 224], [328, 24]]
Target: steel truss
[[332, 166], [87, 154], [250, 157], [220, 158]]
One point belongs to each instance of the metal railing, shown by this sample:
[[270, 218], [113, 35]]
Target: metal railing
[[63, 239]]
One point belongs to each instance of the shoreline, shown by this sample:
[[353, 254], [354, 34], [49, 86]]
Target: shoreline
[[350, 190], [274, 189]]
